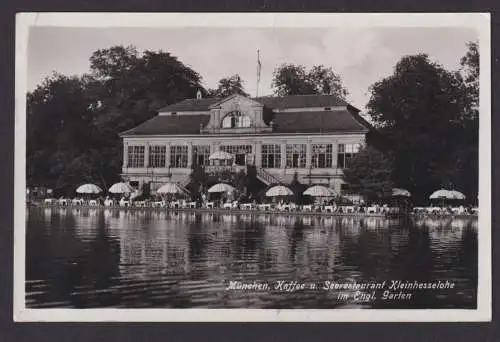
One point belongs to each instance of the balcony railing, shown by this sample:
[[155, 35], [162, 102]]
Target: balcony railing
[[214, 169]]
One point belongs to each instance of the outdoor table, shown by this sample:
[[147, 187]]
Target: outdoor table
[[175, 204], [307, 207], [48, 201], [192, 205], [329, 208], [348, 209], [371, 210], [62, 201], [433, 210], [264, 207], [210, 205], [157, 204], [93, 202], [246, 206], [227, 205]]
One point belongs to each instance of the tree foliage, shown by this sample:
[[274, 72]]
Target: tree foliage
[[228, 86], [74, 122], [291, 79], [470, 73], [369, 173], [420, 108]]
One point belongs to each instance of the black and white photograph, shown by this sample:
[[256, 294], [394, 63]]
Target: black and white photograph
[[309, 167]]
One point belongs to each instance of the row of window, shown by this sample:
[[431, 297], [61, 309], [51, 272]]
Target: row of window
[[321, 157]]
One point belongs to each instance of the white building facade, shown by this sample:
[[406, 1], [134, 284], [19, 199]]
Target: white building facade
[[310, 137]]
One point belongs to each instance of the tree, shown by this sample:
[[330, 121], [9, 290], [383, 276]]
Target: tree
[[73, 123], [469, 69], [59, 125], [419, 108], [290, 79], [228, 86], [369, 173]]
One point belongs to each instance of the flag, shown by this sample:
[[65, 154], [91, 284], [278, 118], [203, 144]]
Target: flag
[[259, 66]]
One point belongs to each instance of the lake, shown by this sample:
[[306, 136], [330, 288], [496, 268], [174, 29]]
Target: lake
[[88, 258]]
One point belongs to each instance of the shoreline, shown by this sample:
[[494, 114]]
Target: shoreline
[[245, 212]]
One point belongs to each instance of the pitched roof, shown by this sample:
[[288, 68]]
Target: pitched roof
[[317, 122], [294, 122], [190, 105], [272, 102], [170, 125], [301, 101]]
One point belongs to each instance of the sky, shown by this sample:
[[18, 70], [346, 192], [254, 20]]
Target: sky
[[361, 56]]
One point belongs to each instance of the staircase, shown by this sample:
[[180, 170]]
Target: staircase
[[265, 176]]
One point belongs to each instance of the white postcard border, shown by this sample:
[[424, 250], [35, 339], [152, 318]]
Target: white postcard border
[[478, 21]]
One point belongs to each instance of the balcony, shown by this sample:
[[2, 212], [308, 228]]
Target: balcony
[[217, 169]]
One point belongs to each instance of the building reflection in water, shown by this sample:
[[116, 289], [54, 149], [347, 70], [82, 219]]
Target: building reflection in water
[[81, 257]]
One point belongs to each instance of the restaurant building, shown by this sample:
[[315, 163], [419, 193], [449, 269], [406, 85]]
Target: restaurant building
[[309, 136]]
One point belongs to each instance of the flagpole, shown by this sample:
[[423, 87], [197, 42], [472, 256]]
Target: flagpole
[[258, 74]]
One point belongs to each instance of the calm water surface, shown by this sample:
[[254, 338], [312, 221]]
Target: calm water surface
[[85, 258]]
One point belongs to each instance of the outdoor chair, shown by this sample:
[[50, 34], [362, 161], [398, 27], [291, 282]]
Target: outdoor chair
[[124, 203], [93, 203], [348, 209], [247, 206], [329, 208], [108, 202], [62, 201], [158, 204], [77, 201], [307, 207], [175, 204], [210, 205], [48, 201]]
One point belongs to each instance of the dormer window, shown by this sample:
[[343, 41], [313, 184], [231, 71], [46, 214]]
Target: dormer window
[[235, 119]]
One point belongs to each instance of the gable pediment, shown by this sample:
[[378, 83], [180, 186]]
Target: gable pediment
[[236, 113], [235, 100]]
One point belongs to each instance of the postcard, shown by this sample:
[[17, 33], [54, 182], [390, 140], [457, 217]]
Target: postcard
[[252, 167]]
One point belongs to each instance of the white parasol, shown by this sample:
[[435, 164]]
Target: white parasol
[[396, 192], [170, 188], [221, 187], [88, 189], [121, 188], [319, 191], [447, 194], [279, 190], [220, 155]]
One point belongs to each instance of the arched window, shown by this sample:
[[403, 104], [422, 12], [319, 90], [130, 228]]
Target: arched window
[[236, 120]]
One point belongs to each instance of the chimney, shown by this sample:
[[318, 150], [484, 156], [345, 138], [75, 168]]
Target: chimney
[[198, 95]]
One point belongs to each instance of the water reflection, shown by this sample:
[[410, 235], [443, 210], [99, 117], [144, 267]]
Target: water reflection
[[85, 257]]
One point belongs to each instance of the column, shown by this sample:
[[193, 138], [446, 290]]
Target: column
[[283, 155], [258, 153], [125, 155], [146, 155], [335, 150], [308, 155], [190, 154], [167, 158], [213, 147]]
